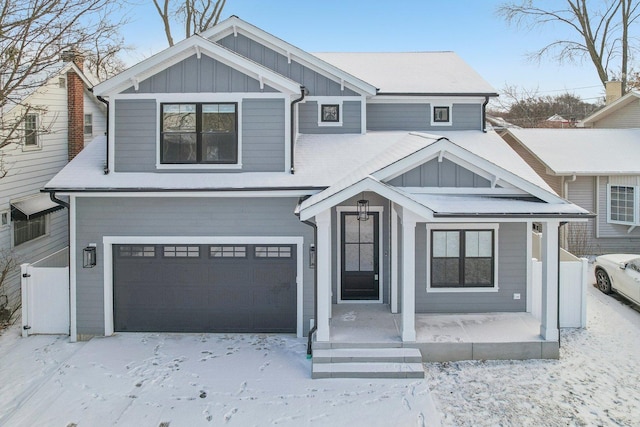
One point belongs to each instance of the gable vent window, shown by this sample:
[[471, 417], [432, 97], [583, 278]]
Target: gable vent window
[[199, 133]]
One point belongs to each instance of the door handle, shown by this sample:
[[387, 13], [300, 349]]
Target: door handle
[[375, 277]]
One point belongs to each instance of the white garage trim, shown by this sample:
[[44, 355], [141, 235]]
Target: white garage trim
[[109, 241]]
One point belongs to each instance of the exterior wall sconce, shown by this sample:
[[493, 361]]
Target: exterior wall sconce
[[89, 259], [363, 210], [312, 256]]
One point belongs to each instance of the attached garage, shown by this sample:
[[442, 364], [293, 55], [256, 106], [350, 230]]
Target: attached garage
[[204, 288]]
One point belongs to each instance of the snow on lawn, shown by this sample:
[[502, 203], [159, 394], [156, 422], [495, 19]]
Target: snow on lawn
[[194, 380], [174, 380], [596, 382]]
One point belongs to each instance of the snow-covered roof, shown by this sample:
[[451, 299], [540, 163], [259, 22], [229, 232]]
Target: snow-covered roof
[[583, 151], [428, 73], [631, 96]]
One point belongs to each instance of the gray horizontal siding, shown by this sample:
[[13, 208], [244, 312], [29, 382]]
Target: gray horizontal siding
[[627, 117], [263, 135], [317, 84], [512, 277], [440, 174], [136, 128], [194, 75], [417, 117], [98, 217], [351, 119]]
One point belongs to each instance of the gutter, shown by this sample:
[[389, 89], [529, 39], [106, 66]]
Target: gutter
[[54, 199], [178, 190], [506, 215], [303, 92]]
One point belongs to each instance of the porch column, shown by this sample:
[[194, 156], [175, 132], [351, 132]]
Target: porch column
[[408, 277], [550, 254], [323, 269]]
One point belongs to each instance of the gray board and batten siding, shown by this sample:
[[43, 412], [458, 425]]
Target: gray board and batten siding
[[512, 277], [351, 118], [194, 75], [316, 84], [417, 117], [262, 128], [156, 216], [440, 174]]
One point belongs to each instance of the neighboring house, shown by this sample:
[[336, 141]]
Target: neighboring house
[[62, 117], [620, 112], [246, 185], [597, 169]]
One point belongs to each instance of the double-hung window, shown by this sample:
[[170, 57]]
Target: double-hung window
[[622, 204], [31, 130], [199, 133], [462, 258]]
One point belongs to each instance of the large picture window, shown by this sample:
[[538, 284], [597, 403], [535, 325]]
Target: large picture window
[[25, 231], [622, 204], [199, 133], [462, 258]]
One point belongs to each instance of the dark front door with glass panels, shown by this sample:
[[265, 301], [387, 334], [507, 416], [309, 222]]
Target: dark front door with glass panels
[[359, 260]]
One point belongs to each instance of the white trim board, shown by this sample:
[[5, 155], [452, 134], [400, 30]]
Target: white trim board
[[380, 211], [109, 241]]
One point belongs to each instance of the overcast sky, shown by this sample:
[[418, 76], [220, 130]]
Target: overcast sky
[[470, 28]]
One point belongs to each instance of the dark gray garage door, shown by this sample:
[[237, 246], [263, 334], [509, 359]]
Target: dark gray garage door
[[205, 288]]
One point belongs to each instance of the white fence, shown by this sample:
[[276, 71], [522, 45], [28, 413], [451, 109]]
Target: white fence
[[573, 287], [45, 295]]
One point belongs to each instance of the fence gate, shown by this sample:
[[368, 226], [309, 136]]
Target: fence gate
[[45, 295]]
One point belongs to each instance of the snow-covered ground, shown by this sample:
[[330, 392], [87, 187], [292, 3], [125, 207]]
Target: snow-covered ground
[[173, 380]]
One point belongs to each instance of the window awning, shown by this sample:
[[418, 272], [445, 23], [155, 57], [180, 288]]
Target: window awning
[[33, 207]]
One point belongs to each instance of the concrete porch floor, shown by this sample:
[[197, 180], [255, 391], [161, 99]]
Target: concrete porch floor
[[442, 337]]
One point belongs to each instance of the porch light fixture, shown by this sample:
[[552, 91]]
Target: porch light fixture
[[363, 209], [89, 257]]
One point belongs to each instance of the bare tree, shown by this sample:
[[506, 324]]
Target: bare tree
[[601, 30], [33, 34], [194, 15]]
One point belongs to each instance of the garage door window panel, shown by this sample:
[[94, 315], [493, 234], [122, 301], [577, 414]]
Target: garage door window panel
[[228, 251], [273, 251], [181, 251]]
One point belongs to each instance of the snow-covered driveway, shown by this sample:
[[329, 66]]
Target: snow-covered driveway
[[260, 380], [191, 380]]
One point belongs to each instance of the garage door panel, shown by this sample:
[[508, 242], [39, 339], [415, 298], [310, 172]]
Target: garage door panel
[[222, 290]]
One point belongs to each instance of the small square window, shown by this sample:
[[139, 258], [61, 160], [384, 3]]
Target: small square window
[[330, 113], [62, 82], [441, 114], [4, 219]]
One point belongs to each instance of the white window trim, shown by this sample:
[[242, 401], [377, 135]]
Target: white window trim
[[198, 98], [435, 105], [326, 100], [109, 241], [38, 144], [339, 210], [8, 217], [84, 125], [463, 226], [636, 205]]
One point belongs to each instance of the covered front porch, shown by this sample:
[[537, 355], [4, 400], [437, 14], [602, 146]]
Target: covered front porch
[[441, 337]]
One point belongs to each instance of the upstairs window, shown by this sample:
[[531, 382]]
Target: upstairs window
[[441, 115], [88, 124], [31, 130], [330, 113], [622, 204], [199, 133]]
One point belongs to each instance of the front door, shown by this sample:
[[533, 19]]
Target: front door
[[359, 257]]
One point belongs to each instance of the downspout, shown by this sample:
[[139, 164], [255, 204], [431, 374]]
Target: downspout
[[303, 92], [106, 167], [484, 114], [561, 225], [54, 199]]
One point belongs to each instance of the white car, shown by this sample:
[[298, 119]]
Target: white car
[[619, 273]]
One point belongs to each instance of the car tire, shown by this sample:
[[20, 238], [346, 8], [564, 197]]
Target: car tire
[[602, 281]]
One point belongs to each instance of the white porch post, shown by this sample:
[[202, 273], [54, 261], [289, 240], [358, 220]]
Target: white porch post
[[394, 259], [323, 268], [550, 254], [408, 277]]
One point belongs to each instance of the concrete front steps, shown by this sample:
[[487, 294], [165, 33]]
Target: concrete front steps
[[362, 362]]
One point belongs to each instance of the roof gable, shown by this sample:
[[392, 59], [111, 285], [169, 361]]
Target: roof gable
[[235, 25], [612, 108], [186, 48]]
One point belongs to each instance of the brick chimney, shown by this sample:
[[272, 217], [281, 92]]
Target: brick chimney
[[613, 91], [75, 104]]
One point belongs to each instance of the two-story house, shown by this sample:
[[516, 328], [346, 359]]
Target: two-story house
[[55, 120], [246, 185]]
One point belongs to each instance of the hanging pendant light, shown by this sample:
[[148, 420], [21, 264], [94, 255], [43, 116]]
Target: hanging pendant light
[[363, 209]]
